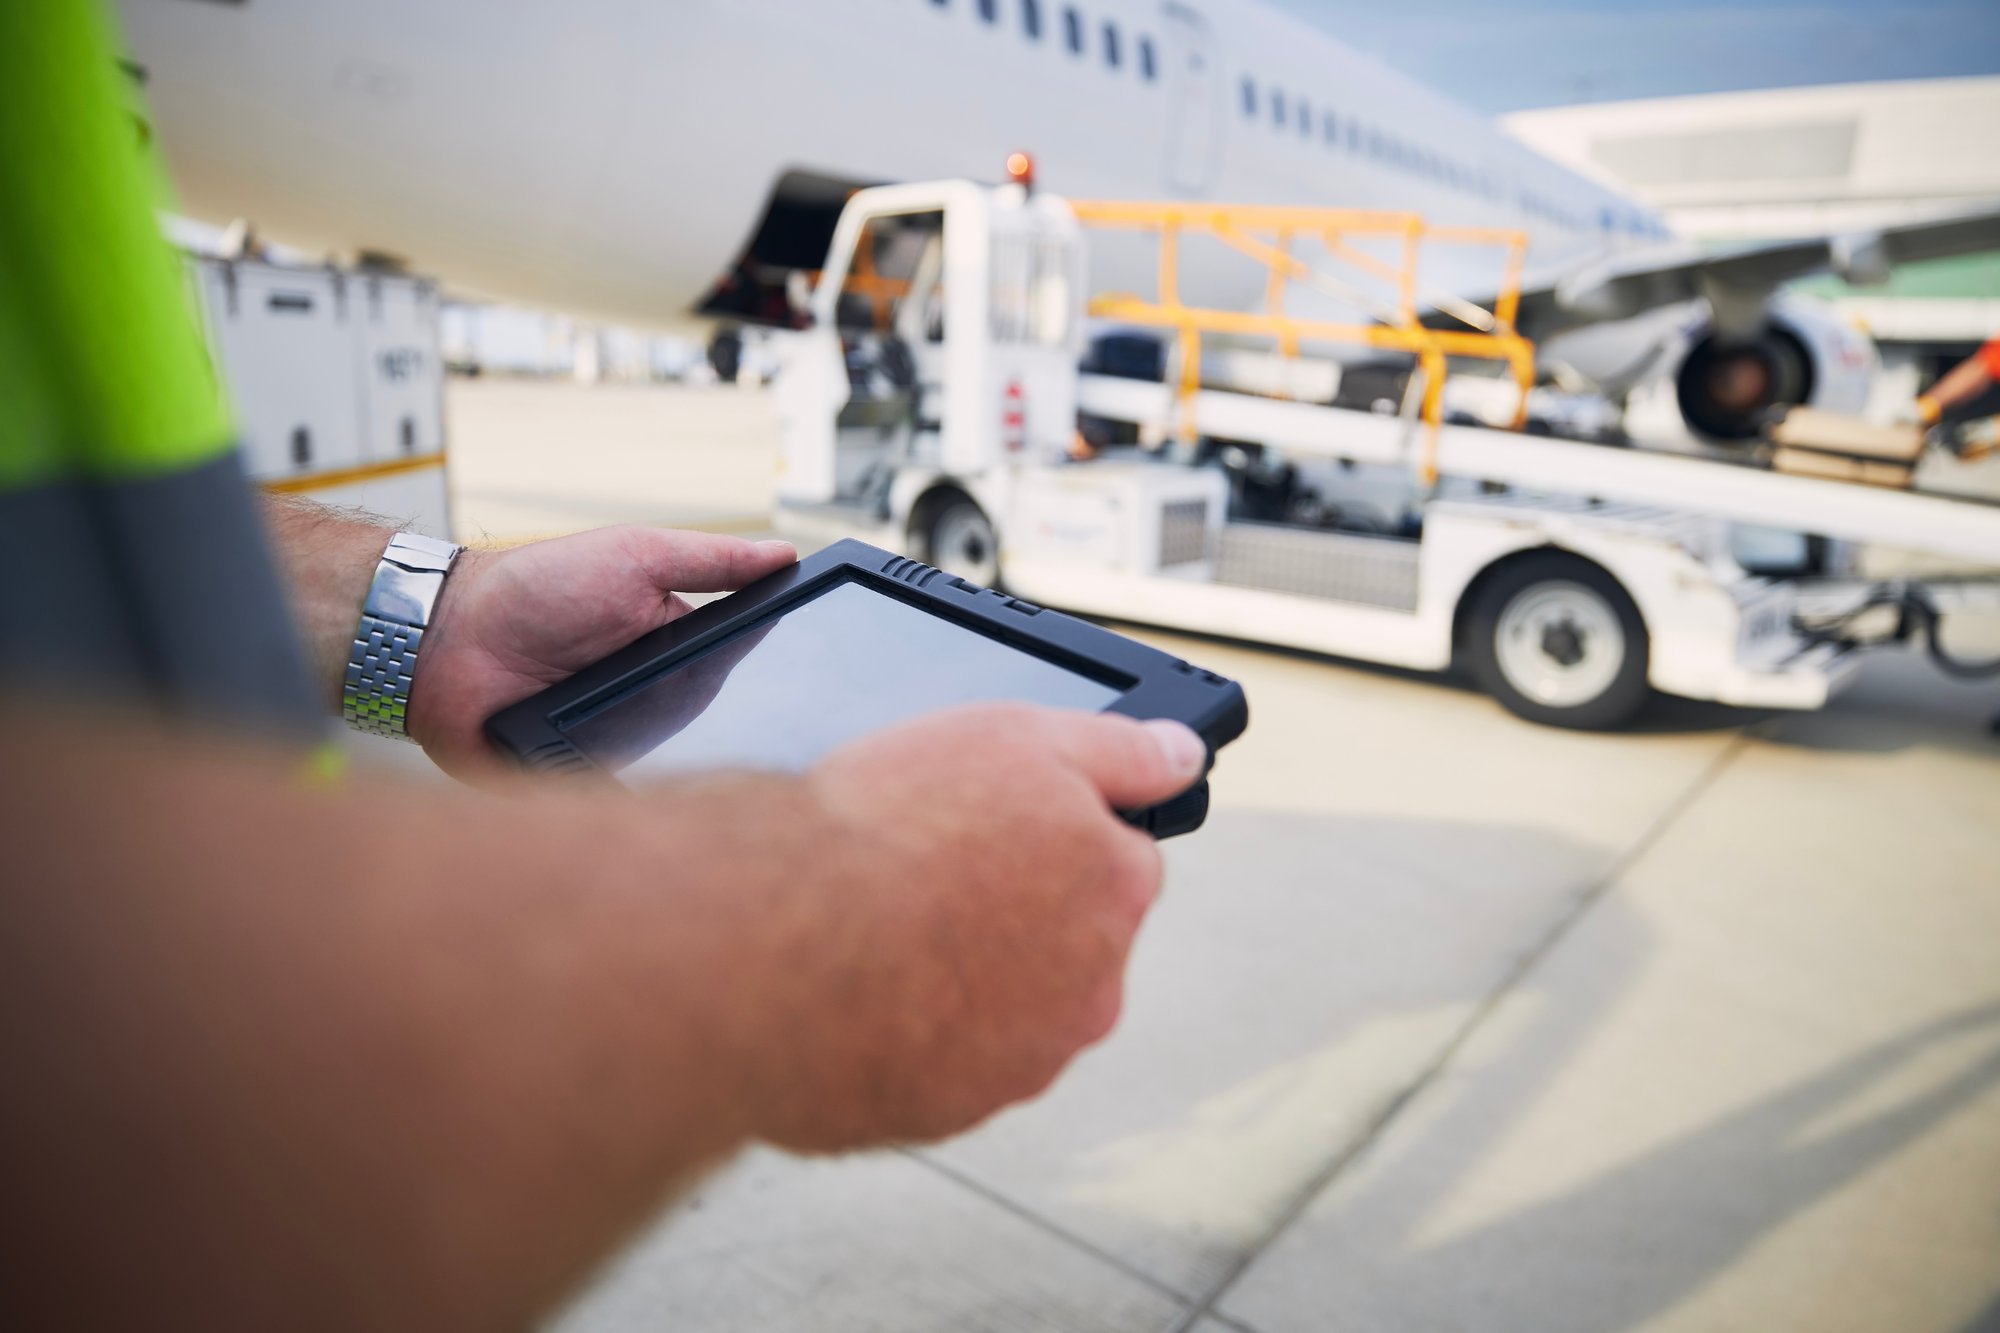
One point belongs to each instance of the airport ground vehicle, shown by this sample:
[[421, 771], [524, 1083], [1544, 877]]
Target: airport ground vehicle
[[337, 380], [932, 406]]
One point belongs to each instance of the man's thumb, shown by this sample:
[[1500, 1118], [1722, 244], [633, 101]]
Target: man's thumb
[[1135, 764]]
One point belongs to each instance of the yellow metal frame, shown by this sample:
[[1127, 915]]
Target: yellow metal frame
[[1490, 335]]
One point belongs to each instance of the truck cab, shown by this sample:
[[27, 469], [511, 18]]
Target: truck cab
[[938, 359]]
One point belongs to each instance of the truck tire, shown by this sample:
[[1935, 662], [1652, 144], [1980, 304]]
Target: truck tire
[[959, 539], [725, 355], [1556, 640]]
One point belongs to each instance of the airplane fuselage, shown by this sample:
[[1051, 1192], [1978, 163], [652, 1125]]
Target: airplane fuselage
[[614, 157]]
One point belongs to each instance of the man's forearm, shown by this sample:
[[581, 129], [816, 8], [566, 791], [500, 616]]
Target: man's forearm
[[1966, 380], [328, 557], [413, 1059]]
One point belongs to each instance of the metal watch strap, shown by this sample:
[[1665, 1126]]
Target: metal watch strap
[[383, 660]]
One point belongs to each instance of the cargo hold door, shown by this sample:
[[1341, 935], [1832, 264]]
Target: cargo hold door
[[1194, 101]]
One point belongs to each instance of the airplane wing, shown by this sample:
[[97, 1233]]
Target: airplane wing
[[1738, 281]]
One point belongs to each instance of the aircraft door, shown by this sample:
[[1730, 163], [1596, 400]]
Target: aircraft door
[[1194, 101]]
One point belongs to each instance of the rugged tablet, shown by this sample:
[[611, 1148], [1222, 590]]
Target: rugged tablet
[[843, 643]]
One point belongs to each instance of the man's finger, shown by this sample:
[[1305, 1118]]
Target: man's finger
[[679, 561], [1135, 764]]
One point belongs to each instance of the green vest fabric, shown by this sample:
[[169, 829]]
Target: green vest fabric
[[105, 371]]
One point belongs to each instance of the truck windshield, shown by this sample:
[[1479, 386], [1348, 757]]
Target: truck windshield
[[887, 271]]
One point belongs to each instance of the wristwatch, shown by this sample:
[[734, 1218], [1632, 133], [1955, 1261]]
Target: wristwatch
[[383, 661]]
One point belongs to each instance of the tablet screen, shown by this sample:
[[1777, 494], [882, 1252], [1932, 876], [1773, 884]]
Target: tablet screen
[[850, 661]]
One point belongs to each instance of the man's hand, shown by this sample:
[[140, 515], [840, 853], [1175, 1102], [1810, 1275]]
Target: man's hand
[[974, 900], [507, 623], [512, 622]]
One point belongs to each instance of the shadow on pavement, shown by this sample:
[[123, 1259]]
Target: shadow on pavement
[[1631, 1243], [1301, 976]]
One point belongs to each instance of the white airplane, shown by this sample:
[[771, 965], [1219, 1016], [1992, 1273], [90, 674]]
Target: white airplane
[[669, 164]]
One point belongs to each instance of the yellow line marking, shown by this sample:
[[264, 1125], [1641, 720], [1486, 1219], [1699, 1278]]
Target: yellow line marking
[[314, 481]]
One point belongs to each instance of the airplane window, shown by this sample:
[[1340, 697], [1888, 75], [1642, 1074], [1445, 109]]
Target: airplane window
[[1031, 19], [1277, 107], [1329, 130], [1111, 45], [1305, 120], [989, 10], [1353, 137], [1249, 96], [1146, 59], [1073, 30], [1374, 143]]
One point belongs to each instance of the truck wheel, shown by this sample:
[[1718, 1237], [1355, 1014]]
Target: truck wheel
[[959, 539], [725, 355], [1556, 640]]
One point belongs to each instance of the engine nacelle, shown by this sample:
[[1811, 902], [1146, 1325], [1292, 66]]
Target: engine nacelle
[[1720, 389], [1804, 353]]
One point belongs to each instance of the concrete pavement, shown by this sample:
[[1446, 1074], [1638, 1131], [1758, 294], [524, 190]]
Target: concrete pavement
[[1445, 1021]]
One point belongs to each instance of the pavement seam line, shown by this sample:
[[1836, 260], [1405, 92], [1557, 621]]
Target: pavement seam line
[[1083, 1244], [1524, 967]]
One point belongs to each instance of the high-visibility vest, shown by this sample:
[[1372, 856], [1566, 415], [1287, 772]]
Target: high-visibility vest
[[132, 554]]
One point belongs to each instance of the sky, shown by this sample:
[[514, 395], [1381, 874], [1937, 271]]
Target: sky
[[1503, 55]]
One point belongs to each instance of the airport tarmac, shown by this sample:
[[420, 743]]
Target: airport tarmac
[[1445, 1021]]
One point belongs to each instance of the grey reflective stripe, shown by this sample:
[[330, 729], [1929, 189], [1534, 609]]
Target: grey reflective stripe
[[167, 594], [62, 621]]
